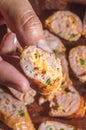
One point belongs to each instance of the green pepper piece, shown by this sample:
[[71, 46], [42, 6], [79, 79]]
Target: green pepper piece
[[72, 35], [61, 128], [59, 33], [56, 51], [48, 81], [83, 61], [21, 113]]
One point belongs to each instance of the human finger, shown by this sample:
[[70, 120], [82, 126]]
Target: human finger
[[10, 76], [8, 44], [22, 20]]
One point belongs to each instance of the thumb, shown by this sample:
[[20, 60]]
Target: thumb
[[22, 20]]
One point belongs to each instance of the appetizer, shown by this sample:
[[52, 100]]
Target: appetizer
[[43, 68], [77, 59], [13, 112], [65, 24], [67, 103]]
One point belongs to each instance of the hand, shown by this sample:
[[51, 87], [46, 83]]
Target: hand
[[22, 21]]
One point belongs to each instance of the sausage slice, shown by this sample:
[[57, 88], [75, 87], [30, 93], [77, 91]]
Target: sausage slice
[[13, 112], [43, 68], [67, 103], [77, 59], [65, 24]]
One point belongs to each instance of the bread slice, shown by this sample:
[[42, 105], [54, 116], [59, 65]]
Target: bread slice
[[13, 112], [77, 60], [55, 125], [43, 68], [65, 24]]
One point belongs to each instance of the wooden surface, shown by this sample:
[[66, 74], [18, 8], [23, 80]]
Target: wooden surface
[[40, 113]]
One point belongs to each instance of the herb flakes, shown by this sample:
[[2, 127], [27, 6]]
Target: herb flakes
[[72, 35], [61, 128], [36, 55], [49, 127], [21, 113], [59, 33], [83, 61], [56, 51], [48, 81]]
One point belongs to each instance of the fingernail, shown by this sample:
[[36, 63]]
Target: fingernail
[[18, 46], [15, 41], [43, 45]]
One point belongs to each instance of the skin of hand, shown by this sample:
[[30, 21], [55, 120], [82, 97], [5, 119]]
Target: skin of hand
[[26, 26]]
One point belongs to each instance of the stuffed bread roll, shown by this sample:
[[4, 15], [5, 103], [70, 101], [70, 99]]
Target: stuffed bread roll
[[55, 125], [43, 68], [77, 59], [65, 24], [13, 112]]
